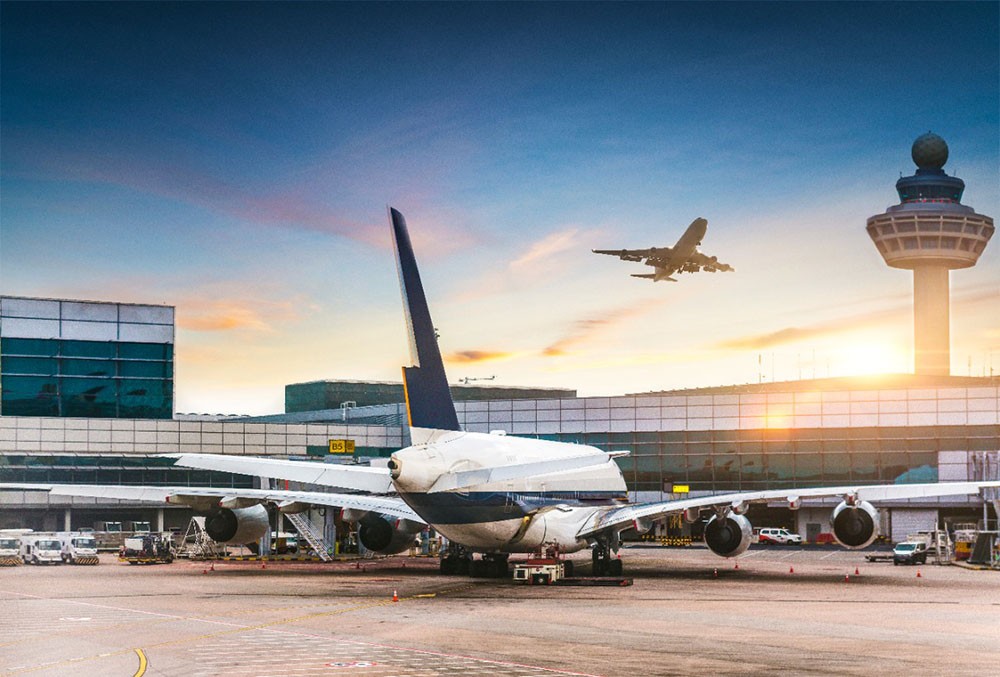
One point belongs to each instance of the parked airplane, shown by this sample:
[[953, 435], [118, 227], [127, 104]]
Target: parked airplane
[[683, 257], [495, 494]]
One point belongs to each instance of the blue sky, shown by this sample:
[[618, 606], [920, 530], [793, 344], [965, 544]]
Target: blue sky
[[236, 160]]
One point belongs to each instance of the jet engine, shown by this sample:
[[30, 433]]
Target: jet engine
[[855, 526], [729, 536], [238, 525], [387, 535]]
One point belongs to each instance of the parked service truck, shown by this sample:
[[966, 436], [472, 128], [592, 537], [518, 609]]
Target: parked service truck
[[79, 549], [39, 548], [10, 550]]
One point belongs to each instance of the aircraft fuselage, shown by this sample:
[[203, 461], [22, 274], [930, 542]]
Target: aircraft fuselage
[[519, 515]]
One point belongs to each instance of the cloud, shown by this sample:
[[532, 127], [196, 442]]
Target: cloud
[[176, 175], [547, 247], [550, 257], [788, 335], [472, 356], [901, 311], [586, 329]]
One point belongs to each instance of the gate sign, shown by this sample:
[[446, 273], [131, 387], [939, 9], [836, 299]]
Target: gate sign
[[341, 446]]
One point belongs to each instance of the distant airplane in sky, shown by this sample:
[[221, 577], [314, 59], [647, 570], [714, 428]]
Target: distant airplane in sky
[[683, 257]]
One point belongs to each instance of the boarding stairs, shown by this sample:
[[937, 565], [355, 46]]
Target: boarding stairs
[[310, 534]]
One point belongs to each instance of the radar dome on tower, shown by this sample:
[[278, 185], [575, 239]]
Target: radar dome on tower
[[929, 151]]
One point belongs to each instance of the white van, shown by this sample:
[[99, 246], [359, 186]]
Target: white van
[[778, 536]]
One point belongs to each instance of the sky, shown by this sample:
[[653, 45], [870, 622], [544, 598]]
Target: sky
[[236, 161]]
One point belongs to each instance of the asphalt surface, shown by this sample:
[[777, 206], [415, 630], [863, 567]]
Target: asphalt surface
[[783, 611]]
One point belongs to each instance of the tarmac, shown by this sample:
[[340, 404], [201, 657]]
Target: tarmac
[[782, 611]]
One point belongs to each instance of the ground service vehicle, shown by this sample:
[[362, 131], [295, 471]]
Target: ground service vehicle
[[79, 549], [910, 552], [41, 549], [147, 549], [10, 554], [778, 536]]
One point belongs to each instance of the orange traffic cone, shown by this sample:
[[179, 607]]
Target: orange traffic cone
[[856, 572], [918, 574], [847, 578], [395, 597], [791, 570], [263, 565], [737, 567], [212, 568]]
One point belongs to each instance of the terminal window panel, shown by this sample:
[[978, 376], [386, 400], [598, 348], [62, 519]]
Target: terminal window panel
[[86, 379], [138, 470], [774, 459]]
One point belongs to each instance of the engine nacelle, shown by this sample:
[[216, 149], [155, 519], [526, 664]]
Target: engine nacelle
[[242, 525], [292, 507], [387, 535], [855, 526], [729, 536]]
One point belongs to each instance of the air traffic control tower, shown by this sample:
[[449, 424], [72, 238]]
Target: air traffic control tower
[[931, 233]]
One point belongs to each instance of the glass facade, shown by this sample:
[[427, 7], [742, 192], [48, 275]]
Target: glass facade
[[751, 460], [92, 379], [126, 470]]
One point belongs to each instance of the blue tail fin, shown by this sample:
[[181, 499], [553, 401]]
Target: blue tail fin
[[428, 397]]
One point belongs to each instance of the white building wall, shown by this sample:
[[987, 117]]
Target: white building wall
[[906, 521]]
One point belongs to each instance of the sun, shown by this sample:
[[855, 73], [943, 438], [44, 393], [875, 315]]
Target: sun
[[860, 358]]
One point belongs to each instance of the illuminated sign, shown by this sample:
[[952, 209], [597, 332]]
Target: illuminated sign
[[681, 489], [341, 446]]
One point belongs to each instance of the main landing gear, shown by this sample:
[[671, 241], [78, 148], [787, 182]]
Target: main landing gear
[[604, 563], [457, 561]]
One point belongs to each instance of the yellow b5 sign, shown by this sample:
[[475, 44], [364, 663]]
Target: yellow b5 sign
[[341, 446]]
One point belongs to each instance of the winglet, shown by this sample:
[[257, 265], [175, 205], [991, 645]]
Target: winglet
[[428, 397]]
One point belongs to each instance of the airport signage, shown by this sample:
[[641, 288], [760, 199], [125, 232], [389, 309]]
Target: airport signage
[[341, 446]]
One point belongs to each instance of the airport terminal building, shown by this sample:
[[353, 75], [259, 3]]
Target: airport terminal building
[[87, 392]]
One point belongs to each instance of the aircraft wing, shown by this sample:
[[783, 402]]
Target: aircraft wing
[[707, 263], [187, 495], [356, 478], [635, 254], [617, 519]]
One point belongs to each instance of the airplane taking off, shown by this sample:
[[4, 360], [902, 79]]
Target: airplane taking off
[[495, 494], [683, 257]]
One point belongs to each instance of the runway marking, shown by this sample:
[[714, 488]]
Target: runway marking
[[142, 664]]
